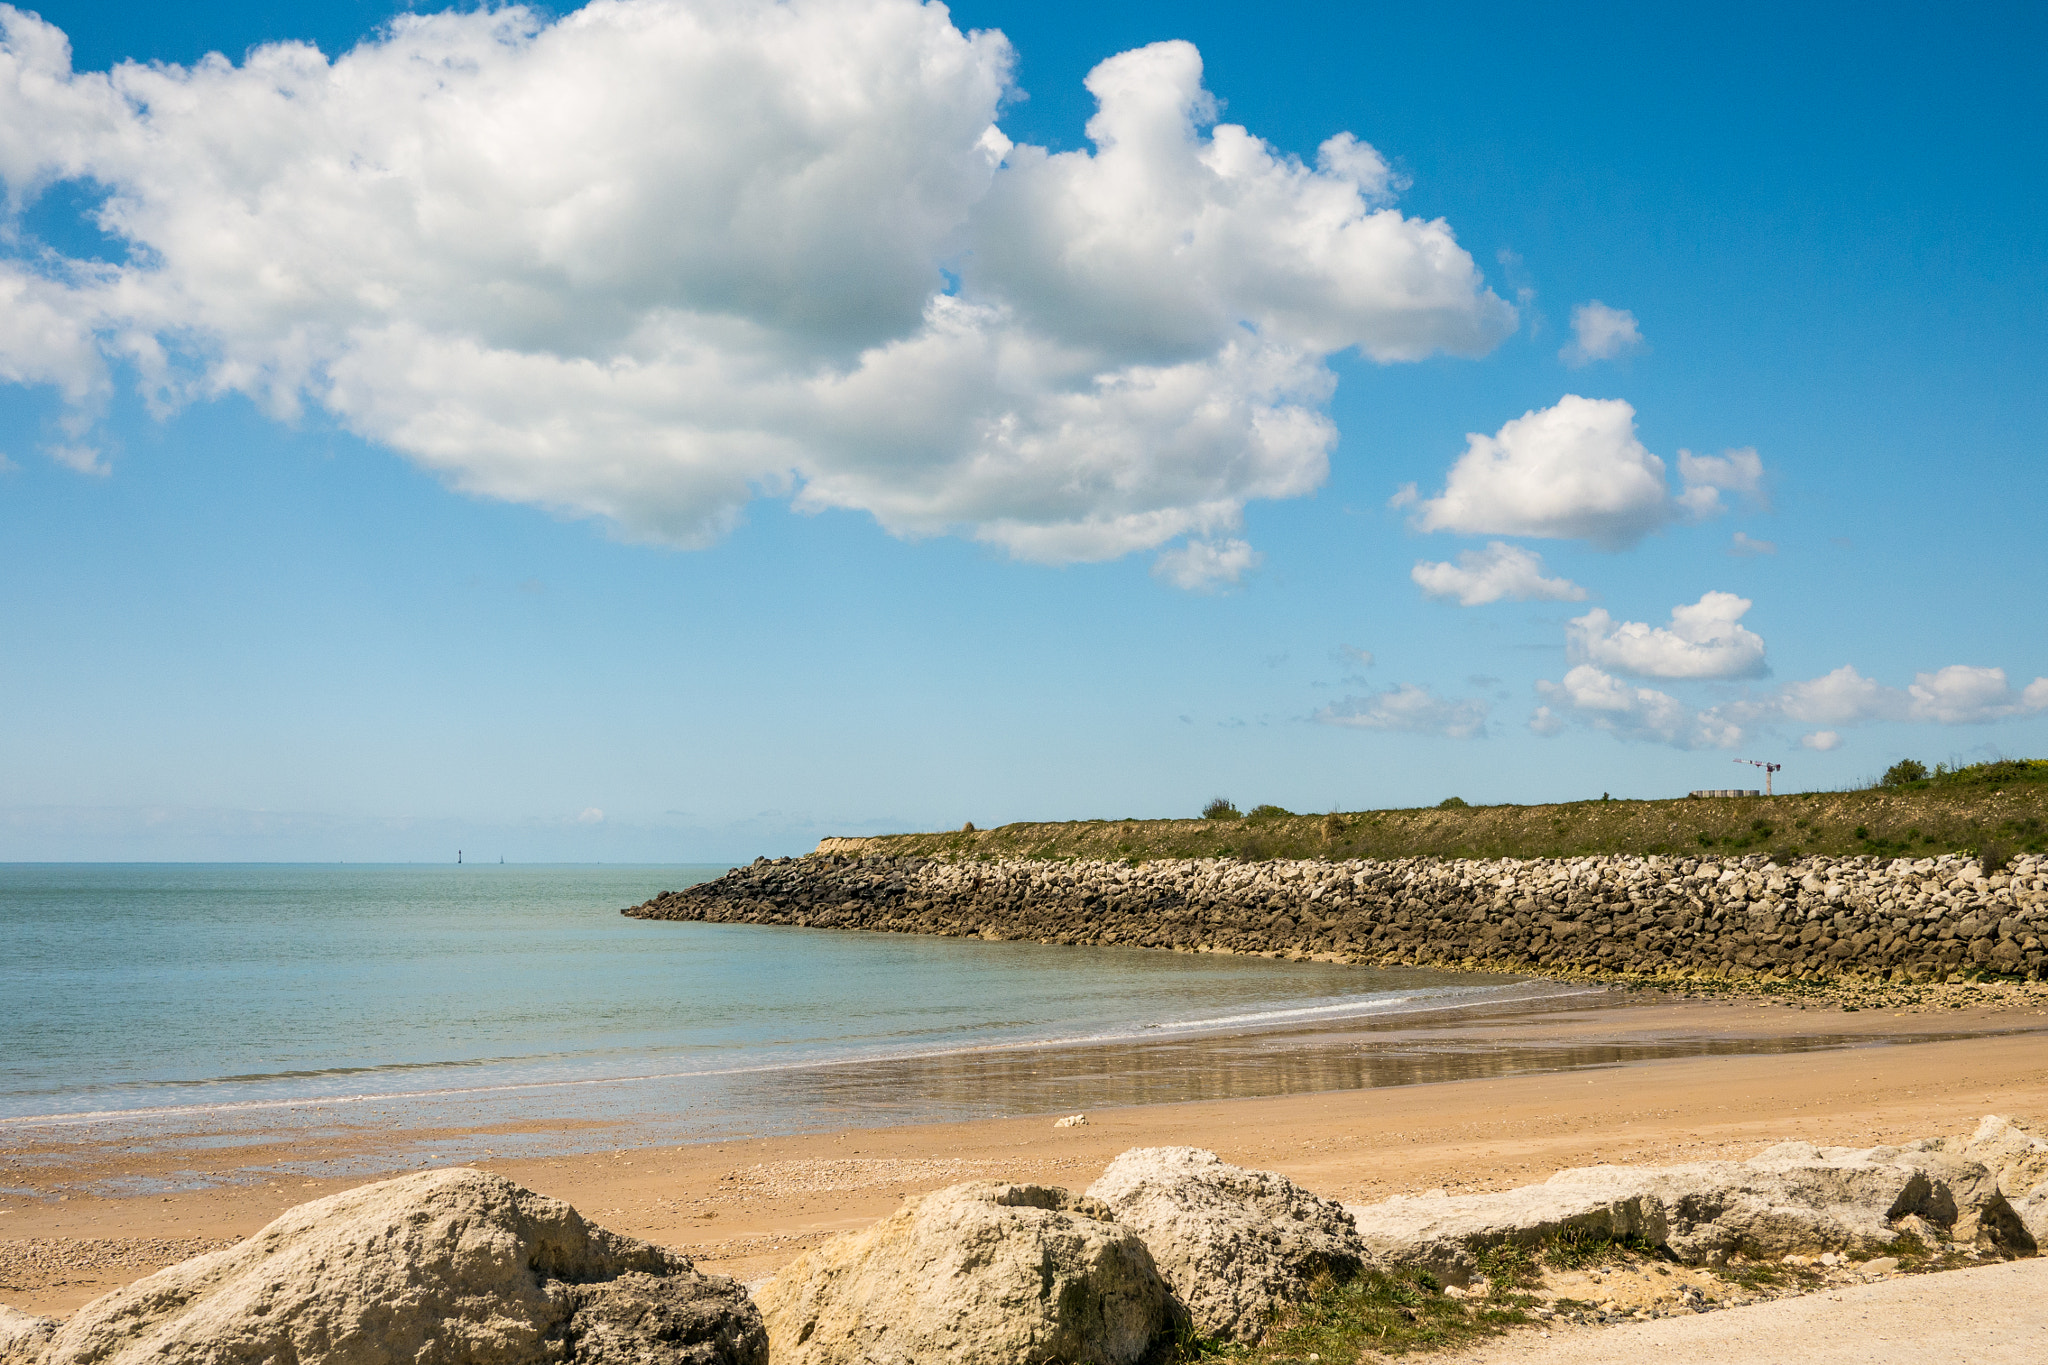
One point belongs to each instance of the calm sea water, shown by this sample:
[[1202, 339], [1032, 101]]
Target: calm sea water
[[173, 993]]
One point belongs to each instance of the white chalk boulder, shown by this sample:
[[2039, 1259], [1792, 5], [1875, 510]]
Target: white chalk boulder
[[978, 1274], [449, 1267], [23, 1338], [1791, 1198], [1234, 1244]]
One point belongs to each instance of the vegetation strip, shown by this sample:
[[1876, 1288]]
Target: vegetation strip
[[1997, 808]]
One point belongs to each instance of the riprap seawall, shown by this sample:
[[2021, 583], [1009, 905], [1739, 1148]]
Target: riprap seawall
[[1820, 918]]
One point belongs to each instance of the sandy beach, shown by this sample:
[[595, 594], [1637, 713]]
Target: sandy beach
[[90, 1210]]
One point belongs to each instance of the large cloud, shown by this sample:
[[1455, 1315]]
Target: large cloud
[[659, 257], [1576, 471], [1704, 640]]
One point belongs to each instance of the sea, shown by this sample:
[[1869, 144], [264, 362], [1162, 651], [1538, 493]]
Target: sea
[[508, 1008]]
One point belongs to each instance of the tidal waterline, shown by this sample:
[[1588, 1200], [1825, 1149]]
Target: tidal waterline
[[500, 1010], [142, 989]]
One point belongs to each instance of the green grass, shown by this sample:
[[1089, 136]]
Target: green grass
[[1393, 1312], [1376, 1313], [1967, 809]]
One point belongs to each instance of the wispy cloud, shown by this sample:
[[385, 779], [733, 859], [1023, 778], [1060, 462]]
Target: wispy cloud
[[1411, 708], [1600, 333]]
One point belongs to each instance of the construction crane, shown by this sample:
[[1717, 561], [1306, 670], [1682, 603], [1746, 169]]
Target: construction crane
[[1768, 768]]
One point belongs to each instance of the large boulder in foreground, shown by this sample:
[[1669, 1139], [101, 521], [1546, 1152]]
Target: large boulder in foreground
[[450, 1267], [978, 1274], [1794, 1197], [2018, 1163], [1233, 1244]]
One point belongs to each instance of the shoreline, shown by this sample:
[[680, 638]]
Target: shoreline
[[745, 1205]]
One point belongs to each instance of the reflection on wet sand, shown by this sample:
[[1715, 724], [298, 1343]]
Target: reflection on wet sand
[[1594, 1029]]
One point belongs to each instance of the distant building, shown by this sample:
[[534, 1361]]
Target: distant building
[[1727, 791]]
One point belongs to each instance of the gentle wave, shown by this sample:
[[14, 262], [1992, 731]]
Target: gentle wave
[[1444, 998]]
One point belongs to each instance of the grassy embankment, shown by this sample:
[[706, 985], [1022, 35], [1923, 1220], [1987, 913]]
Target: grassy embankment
[[2002, 805]]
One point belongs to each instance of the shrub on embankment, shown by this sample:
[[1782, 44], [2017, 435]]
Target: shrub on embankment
[[1820, 918], [1953, 810]]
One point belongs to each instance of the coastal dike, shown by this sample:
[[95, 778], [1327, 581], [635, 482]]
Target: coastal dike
[[1818, 919]]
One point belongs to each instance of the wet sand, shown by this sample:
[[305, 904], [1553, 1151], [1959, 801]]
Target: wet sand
[[1356, 1112]]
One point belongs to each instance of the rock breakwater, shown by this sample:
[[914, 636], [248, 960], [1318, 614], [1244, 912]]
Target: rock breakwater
[[1818, 919]]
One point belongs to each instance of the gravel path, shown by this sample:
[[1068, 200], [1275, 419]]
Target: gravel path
[[1987, 1315]]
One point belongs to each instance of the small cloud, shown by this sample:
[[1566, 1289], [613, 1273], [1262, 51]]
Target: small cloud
[[1499, 571], [1600, 333], [7, 466], [1350, 654], [1743, 546], [84, 459], [1187, 720], [1707, 477], [590, 816], [532, 586], [1414, 709], [1821, 741], [1704, 640], [1205, 565], [1484, 680], [1275, 660], [1404, 496], [1575, 471], [1630, 713], [1960, 694]]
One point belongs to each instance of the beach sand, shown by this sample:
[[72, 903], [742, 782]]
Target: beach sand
[[745, 1207]]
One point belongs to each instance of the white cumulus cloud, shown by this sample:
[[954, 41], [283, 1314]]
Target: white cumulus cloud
[[1746, 546], [655, 258], [1959, 694], [1600, 333], [1963, 695], [1604, 702], [1411, 708], [1575, 471], [1821, 741], [1201, 565], [1704, 640], [1499, 571]]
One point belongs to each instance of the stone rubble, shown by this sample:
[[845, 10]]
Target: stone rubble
[[1819, 919]]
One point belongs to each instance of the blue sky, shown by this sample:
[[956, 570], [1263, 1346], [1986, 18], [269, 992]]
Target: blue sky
[[575, 456]]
